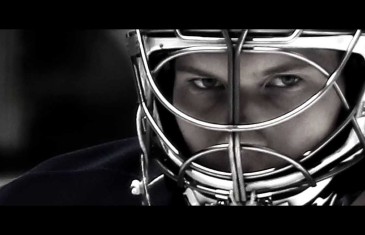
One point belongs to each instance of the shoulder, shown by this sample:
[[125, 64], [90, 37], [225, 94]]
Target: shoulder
[[99, 175], [120, 155]]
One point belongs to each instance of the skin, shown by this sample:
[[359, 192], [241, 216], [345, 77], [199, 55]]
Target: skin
[[270, 85]]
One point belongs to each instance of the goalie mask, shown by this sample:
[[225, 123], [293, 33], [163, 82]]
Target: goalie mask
[[249, 117]]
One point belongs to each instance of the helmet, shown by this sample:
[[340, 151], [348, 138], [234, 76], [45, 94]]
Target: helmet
[[155, 53]]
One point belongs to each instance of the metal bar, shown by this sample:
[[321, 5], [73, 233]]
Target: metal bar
[[248, 127], [235, 142]]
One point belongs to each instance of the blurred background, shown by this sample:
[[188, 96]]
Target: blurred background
[[61, 90]]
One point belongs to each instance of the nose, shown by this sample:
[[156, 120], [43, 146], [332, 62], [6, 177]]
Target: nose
[[256, 138], [252, 107], [251, 110]]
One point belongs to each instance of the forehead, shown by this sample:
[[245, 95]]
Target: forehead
[[328, 59]]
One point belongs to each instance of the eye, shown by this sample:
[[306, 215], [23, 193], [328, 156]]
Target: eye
[[284, 81], [207, 83]]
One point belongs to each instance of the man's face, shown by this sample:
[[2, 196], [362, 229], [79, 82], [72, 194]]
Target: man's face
[[270, 86]]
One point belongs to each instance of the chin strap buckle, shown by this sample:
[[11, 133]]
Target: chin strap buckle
[[136, 187]]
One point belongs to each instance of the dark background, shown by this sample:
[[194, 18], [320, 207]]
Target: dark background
[[62, 90]]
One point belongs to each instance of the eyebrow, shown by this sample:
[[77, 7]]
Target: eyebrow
[[286, 67], [195, 70], [279, 68]]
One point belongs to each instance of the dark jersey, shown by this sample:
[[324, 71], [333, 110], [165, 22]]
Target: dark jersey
[[102, 175], [99, 175]]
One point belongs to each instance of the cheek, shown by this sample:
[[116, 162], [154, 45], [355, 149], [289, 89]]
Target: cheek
[[205, 106], [198, 138], [307, 130]]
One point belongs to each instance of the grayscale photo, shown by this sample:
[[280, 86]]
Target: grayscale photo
[[182, 117]]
